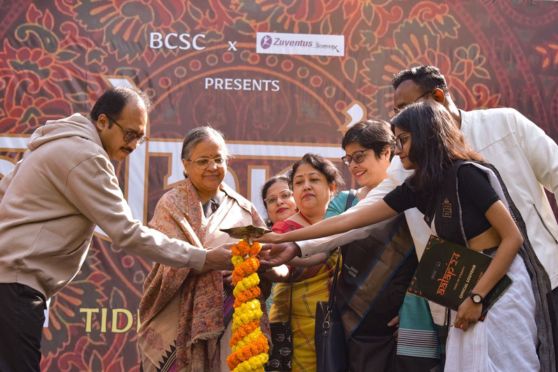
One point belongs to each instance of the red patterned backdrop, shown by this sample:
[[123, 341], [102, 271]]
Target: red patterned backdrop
[[57, 57]]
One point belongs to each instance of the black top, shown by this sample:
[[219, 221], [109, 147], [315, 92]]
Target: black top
[[476, 195]]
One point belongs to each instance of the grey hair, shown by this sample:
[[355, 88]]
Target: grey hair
[[200, 134]]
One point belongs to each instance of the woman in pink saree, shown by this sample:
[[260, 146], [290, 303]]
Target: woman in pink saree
[[185, 314]]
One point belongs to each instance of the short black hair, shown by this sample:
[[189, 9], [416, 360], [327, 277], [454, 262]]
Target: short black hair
[[113, 101], [371, 134], [322, 165], [426, 77]]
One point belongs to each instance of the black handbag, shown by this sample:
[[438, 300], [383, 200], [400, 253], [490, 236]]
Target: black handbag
[[281, 352], [329, 335]]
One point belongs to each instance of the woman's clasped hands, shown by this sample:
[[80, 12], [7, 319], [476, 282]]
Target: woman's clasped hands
[[468, 314]]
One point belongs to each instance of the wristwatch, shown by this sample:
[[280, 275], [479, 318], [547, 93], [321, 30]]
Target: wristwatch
[[477, 298]]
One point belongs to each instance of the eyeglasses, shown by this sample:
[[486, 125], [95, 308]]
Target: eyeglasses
[[357, 156], [130, 135], [204, 162], [401, 140], [283, 195], [398, 109]]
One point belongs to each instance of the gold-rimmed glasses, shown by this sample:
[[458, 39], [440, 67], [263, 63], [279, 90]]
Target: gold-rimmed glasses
[[283, 195], [205, 162]]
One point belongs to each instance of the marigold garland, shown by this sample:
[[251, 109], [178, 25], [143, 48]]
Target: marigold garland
[[249, 346]]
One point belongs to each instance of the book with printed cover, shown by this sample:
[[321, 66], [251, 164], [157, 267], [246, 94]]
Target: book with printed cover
[[447, 272]]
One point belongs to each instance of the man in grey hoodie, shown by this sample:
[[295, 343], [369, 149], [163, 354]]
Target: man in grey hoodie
[[50, 204]]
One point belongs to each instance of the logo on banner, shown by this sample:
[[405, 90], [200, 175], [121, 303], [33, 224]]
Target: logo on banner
[[173, 40], [266, 41], [182, 41], [300, 44]]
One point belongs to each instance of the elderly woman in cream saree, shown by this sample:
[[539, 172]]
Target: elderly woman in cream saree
[[185, 314]]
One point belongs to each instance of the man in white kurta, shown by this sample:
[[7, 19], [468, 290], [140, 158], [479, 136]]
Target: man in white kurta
[[525, 156]]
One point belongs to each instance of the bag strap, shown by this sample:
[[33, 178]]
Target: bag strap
[[290, 299], [350, 198], [349, 203], [331, 300]]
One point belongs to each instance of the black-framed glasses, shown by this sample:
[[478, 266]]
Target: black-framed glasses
[[398, 109], [357, 156], [130, 135], [205, 162], [283, 195], [401, 140]]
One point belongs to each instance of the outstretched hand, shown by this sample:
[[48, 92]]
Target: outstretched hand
[[218, 258], [270, 237], [277, 254]]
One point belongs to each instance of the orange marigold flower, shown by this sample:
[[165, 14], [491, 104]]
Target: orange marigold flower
[[251, 265], [243, 331], [235, 250], [246, 296], [255, 248]]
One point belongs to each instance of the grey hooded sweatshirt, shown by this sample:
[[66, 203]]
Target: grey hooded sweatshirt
[[50, 203]]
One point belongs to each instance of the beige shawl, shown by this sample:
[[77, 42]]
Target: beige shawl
[[180, 307]]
